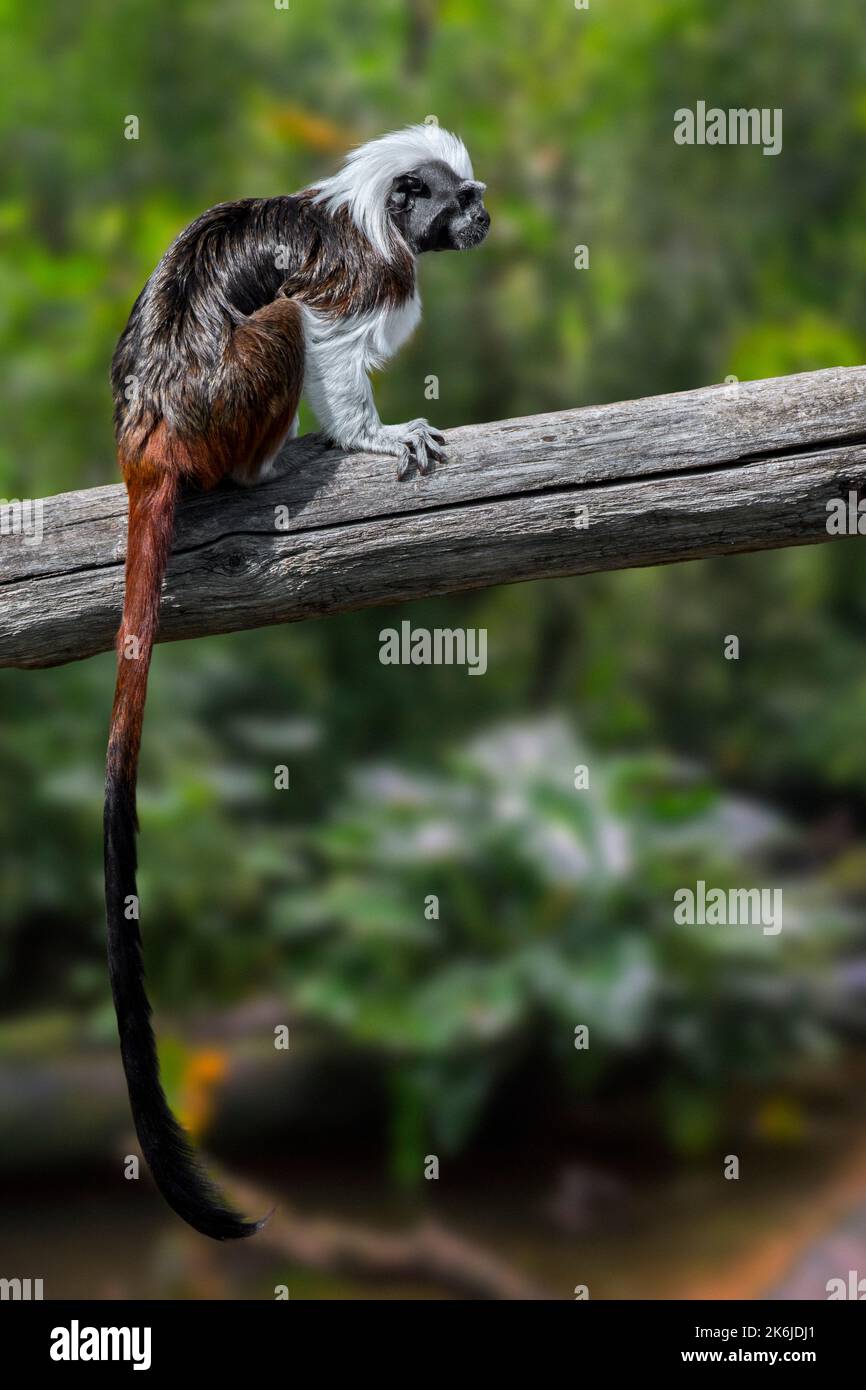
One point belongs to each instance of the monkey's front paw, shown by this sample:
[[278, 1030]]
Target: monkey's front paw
[[420, 444]]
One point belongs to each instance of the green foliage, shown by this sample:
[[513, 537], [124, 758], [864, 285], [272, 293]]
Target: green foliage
[[459, 918]]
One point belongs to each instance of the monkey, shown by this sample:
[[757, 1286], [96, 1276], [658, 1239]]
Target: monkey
[[255, 302]]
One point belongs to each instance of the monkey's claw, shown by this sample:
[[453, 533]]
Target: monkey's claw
[[422, 445]]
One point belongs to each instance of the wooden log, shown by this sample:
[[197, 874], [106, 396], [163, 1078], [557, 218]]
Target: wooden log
[[708, 472]]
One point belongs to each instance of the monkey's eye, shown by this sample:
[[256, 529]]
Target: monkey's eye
[[465, 197], [417, 186]]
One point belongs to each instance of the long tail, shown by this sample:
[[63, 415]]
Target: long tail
[[177, 1172]]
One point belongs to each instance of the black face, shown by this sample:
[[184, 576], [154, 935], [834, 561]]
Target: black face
[[435, 210]]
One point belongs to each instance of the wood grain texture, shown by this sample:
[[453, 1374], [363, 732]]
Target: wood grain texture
[[678, 477]]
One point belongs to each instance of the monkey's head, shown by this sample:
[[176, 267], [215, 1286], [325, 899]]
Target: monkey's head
[[417, 182], [434, 209]]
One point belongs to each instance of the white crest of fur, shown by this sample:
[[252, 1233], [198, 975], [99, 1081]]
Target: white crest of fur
[[362, 184]]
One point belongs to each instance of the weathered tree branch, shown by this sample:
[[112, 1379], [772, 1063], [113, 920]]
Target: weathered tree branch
[[679, 477], [428, 1251]]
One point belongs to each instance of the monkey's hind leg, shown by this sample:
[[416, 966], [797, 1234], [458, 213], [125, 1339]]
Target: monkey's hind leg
[[264, 372], [269, 467]]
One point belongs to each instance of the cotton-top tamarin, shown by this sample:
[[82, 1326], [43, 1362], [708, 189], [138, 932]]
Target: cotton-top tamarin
[[255, 302]]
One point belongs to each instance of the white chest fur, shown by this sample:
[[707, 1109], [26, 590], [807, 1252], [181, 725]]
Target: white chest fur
[[339, 354], [394, 326], [368, 339]]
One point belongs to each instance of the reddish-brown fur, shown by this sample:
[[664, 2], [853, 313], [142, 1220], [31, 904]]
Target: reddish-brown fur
[[257, 387], [152, 494], [264, 369]]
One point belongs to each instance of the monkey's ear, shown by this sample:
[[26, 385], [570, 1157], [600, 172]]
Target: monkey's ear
[[404, 191]]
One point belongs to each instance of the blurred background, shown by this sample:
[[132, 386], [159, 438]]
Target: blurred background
[[454, 1037]]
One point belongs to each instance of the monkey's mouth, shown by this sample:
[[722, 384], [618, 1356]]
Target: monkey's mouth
[[472, 233]]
